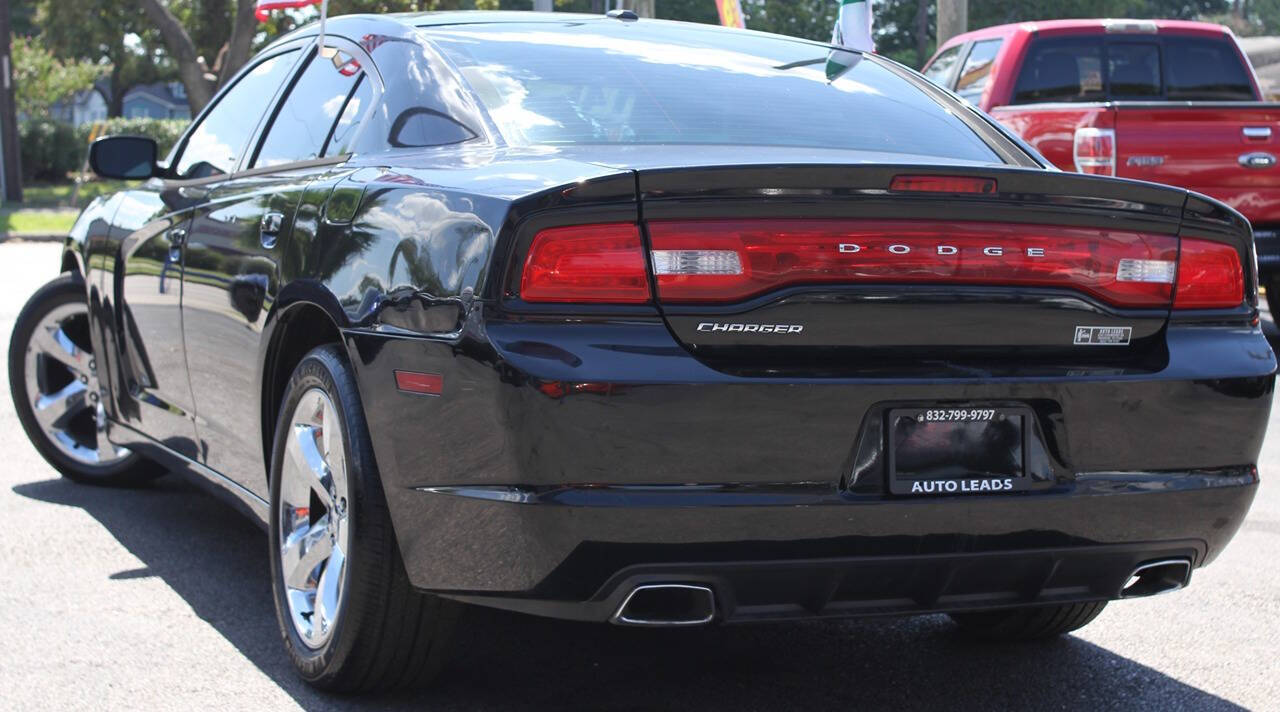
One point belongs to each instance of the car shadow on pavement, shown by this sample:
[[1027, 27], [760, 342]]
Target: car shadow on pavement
[[216, 560]]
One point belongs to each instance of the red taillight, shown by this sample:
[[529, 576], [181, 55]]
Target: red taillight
[[586, 264], [1094, 151], [942, 184], [1209, 276], [730, 260]]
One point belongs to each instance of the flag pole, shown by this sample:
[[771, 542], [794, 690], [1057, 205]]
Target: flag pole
[[321, 50]]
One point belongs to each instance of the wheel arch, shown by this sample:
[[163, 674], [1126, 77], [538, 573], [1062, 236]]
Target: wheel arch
[[304, 316], [71, 260]]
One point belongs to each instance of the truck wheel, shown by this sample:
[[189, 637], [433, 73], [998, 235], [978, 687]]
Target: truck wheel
[[1030, 623], [350, 620], [53, 379]]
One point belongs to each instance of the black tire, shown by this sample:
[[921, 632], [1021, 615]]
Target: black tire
[[387, 635], [66, 290], [1030, 623], [1272, 286]]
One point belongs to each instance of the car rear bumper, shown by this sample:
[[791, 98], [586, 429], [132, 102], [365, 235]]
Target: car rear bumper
[[546, 478], [577, 552]]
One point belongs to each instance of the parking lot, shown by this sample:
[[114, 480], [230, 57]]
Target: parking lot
[[160, 598]]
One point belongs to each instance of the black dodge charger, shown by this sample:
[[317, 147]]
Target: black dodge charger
[[652, 324]]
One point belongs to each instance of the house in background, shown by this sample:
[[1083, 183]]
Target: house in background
[[161, 100], [82, 107]]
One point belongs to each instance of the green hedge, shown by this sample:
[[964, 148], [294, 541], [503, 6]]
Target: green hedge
[[53, 149], [166, 132], [50, 150]]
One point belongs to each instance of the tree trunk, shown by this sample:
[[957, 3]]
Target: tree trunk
[[953, 19], [240, 45], [115, 103], [921, 31], [183, 51]]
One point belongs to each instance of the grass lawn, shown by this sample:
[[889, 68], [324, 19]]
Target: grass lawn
[[37, 222], [47, 208], [48, 195]]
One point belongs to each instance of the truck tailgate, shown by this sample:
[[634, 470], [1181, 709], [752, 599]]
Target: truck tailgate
[[1228, 151]]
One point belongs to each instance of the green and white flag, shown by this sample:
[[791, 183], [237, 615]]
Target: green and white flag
[[853, 31]]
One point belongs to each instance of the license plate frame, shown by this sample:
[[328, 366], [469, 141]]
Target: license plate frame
[[943, 420]]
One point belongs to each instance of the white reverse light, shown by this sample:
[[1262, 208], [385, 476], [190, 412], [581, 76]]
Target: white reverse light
[[1131, 270], [696, 262]]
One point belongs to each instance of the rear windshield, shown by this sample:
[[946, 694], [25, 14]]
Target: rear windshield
[[652, 83], [1145, 68], [1061, 70], [1206, 70]]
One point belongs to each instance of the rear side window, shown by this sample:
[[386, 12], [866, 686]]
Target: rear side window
[[976, 73], [308, 113], [1061, 71], [1206, 70], [628, 83], [358, 105], [1133, 70], [940, 71]]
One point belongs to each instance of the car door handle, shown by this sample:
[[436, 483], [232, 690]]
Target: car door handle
[[272, 222], [177, 238], [269, 230]]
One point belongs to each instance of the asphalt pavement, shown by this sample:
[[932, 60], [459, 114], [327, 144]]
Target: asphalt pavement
[[159, 599]]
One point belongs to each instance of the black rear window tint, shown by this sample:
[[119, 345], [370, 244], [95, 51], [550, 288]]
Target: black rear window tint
[[638, 83], [1206, 70], [1061, 70], [1133, 70]]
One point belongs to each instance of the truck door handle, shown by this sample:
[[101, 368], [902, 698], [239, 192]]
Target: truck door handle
[[272, 222], [1257, 132], [177, 239]]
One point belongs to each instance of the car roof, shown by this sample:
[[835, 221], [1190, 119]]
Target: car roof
[[404, 23], [1094, 26], [474, 17]]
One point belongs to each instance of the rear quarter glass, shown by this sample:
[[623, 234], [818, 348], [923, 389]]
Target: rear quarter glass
[[664, 84]]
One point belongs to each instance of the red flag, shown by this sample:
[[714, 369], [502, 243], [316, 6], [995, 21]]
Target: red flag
[[266, 6]]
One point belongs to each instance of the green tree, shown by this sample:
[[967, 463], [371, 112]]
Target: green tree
[[98, 32], [41, 79]]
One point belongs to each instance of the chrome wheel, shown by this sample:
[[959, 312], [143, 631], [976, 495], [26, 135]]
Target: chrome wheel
[[62, 385], [315, 525]]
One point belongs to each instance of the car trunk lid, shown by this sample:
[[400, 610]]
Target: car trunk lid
[[823, 267]]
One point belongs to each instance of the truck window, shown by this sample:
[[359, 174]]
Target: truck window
[[1133, 70], [1059, 70], [1206, 70], [940, 71], [977, 70]]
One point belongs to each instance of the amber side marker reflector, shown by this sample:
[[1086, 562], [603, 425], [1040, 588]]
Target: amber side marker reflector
[[943, 184], [430, 384]]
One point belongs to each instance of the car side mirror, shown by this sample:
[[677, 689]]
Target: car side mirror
[[124, 157]]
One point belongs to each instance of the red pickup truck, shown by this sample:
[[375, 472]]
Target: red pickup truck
[[1165, 101]]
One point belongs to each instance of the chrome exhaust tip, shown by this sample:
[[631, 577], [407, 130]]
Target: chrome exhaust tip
[[1156, 577], [667, 604]]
